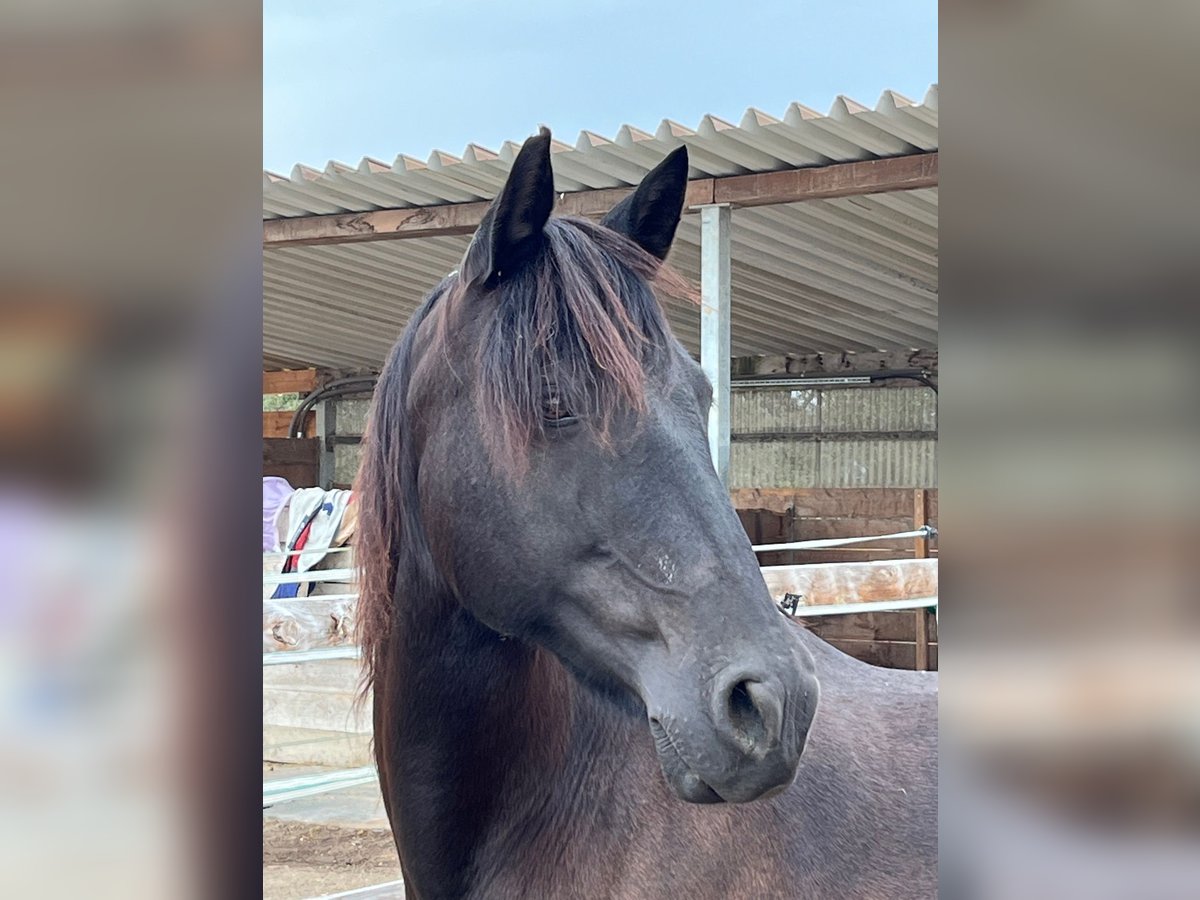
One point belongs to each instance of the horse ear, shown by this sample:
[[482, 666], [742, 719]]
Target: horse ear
[[511, 230], [650, 215]]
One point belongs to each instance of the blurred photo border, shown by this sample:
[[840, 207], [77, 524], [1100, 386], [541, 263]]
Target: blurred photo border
[[130, 346]]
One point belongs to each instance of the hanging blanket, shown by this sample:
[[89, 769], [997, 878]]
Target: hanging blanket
[[275, 493], [310, 517]]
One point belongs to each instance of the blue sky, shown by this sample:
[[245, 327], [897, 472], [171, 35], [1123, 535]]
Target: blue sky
[[370, 78]]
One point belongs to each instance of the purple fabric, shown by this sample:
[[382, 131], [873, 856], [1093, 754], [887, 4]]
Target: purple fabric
[[275, 491]]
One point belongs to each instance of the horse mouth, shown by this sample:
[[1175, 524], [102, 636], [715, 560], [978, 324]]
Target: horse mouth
[[682, 777]]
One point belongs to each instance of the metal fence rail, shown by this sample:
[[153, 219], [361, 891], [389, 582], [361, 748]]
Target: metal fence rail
[[290, 657], [925, 531], [280, 789], [284, 789], [310, 575], [871, 606]]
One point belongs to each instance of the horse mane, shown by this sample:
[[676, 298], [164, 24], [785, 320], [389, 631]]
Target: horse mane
[[580, 319], [388, 535]]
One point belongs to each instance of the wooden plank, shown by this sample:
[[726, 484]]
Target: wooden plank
[[594, 204], [881, 626], [289, 450], [315, 747], [898, 579], [275, 424], [889, 654], [921, 551], [816, 502], [922, 639], [875, 176], [435, 221], [787, 186], [314, 708], [805, 529], [334, 674], [920, 519], [841, 503], [291, 381], [376, 225], [307, 624], [292, 458]]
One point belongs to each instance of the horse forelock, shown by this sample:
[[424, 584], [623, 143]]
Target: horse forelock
[[581, 320]]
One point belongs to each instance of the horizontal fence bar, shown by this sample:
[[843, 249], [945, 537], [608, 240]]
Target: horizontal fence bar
[[330, 597], [872, 606], [926, 531], [343, 549], [288, 657], [311, 575], [268, 748], [281, 789], [392, 889]]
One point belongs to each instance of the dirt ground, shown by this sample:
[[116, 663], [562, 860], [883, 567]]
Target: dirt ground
[[302, 859]]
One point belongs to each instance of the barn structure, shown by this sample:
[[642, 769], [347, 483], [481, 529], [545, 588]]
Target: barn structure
[[813, 238]]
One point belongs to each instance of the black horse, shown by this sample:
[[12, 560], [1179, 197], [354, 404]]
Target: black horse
[[582, 688]]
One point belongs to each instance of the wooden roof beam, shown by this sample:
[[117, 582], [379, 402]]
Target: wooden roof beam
[[875, 176]]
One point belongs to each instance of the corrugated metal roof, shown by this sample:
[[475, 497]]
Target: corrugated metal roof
[[856, 273]]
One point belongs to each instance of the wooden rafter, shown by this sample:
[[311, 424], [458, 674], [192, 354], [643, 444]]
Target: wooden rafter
[[875, 176]]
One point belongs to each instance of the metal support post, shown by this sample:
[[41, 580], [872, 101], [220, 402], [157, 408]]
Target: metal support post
[[715, 351], [326, 429]]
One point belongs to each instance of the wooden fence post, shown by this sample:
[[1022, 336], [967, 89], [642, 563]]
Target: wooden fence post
[[920, 518]]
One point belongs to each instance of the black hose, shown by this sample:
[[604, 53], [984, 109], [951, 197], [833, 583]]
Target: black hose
[[336, 388], [339, 387], [919, 377]]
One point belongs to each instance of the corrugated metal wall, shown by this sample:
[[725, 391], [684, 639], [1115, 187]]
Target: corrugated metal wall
[[793, 438], [822, 437], [351, 419]]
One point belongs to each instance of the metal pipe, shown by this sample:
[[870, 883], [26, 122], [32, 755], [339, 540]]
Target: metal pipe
[[283, 789], [715, 306], [334, 388], [870, 606], [288, 657], [325, 598], [348, 574], [925, 531], [341, 549]]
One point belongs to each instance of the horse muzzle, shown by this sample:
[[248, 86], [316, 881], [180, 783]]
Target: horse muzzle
[[740, 743]]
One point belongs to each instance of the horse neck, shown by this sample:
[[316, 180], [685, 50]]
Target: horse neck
[[482, 742]]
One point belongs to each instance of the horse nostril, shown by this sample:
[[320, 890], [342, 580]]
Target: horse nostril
[[744, 715], [754, 714]]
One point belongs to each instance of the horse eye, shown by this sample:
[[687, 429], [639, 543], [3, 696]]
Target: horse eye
[[554, 411]]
